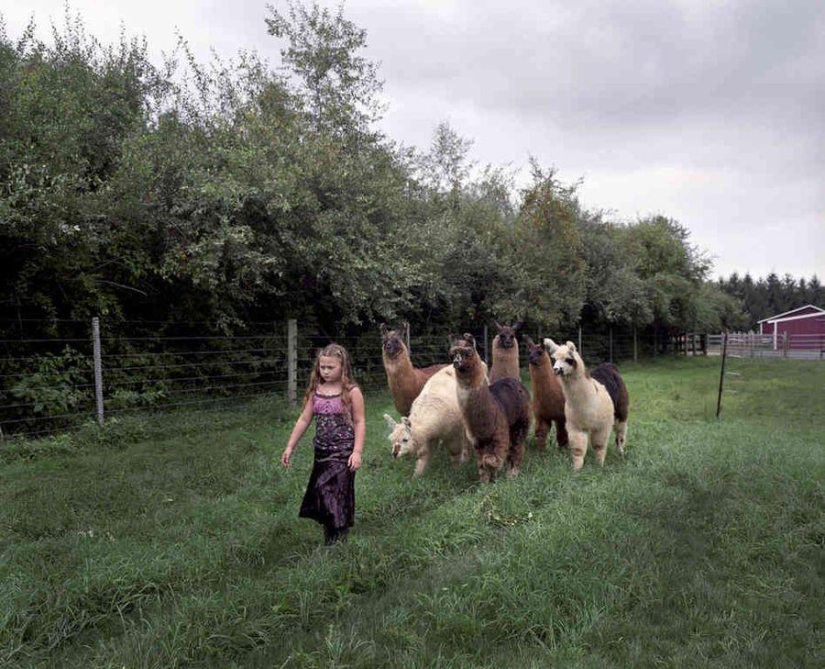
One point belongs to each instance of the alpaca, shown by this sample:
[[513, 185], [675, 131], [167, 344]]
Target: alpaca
[[548, 396], [405, 381], [505, 353], [594, 402], [497, 417], [435, 418]]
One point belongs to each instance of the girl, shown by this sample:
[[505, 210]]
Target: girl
[[337, 403]]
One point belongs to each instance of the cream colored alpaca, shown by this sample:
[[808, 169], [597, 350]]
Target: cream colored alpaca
[[435, 417], [594, 403]]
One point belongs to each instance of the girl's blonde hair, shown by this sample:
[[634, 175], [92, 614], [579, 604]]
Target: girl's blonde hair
[[347, 382]]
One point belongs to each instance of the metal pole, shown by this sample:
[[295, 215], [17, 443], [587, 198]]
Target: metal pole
[[722, 373], [98, 361], [292, 360]]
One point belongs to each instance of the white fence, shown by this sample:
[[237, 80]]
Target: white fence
[[753, 345]]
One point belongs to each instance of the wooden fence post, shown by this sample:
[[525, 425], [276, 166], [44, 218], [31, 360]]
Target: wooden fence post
[[98, 362], [635, 345], [292, 360]]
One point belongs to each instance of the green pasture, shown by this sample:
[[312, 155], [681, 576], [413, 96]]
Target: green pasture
[[173, 541]]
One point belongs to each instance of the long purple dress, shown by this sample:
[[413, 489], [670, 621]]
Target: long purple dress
[[330, 494]]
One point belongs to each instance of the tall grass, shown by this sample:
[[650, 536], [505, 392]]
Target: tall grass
[[173, 541]]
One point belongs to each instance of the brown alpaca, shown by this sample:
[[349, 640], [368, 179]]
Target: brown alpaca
[[548, 396], [405, 381], [505, 353], [497, 417]]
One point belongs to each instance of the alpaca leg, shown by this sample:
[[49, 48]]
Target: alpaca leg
[[599, 440], [542, 428], [514, 458], [422, 462], [621, 435], [578, 448], [562, 439]]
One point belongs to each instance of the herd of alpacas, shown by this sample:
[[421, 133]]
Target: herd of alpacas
[[472, 410]]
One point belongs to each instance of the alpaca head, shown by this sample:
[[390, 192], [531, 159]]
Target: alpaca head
[[392, 341], [464, 355], [400, 435], [566, 359], [508, 334], [535, 352]]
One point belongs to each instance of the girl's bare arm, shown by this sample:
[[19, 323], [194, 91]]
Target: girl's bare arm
[[301, 425]]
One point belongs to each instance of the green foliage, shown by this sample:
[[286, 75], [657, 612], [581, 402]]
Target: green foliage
[[224, 192], [59, 385]]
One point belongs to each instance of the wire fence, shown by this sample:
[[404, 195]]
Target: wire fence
[[54, 384]]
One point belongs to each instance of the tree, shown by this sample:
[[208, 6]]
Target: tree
[[322, 51]]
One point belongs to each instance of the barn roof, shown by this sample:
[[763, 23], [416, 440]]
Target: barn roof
[[794, 313]]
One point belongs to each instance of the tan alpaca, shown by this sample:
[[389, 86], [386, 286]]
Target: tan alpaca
[[435, 418], [404, 380], [505, 363], [595, 402]]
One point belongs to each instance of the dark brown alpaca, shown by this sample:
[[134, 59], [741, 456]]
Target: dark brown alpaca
[[548, 396], [405, 381], [497, 416], [505, 353]]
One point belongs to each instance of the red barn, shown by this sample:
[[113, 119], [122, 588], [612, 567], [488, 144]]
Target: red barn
[[804, 328]]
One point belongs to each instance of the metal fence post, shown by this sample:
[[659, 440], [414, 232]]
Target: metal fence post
[[98, 362], [292, 360]]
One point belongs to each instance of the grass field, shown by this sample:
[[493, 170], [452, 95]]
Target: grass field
[[173, 541]]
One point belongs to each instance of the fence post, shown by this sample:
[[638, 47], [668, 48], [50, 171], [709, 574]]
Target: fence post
[[722, 372], [486, 352], [580, 340], [635, 345], [785, 346], [292, 360], [98, 362]]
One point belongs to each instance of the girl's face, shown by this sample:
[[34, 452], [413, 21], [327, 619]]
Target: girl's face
[[330, 368]]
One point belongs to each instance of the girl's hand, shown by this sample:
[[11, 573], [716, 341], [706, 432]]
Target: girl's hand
[[285, 458], [354, 461]]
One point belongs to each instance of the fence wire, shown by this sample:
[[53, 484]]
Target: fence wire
[[48, 385]]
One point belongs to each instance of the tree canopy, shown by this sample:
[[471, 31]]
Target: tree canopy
[[227, 193]]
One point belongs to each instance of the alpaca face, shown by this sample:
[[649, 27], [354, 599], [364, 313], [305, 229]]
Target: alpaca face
[[565, 358], [507, 335], [392, 341], [400, 436], [535, 353], [463, 354]]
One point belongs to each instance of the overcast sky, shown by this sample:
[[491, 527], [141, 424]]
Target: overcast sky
[[711, 112]]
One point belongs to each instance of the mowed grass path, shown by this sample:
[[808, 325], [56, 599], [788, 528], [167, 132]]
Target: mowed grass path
[[173, 541]]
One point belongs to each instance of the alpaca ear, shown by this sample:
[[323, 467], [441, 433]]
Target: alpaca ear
[[518, 325], [406, 421], [571, 346], [384, 329], [498, 327], [550, 345], [528, 341], [390, 421], [470, 339]]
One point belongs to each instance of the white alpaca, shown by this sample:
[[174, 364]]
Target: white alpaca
[[435, 417], [594, 402]]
